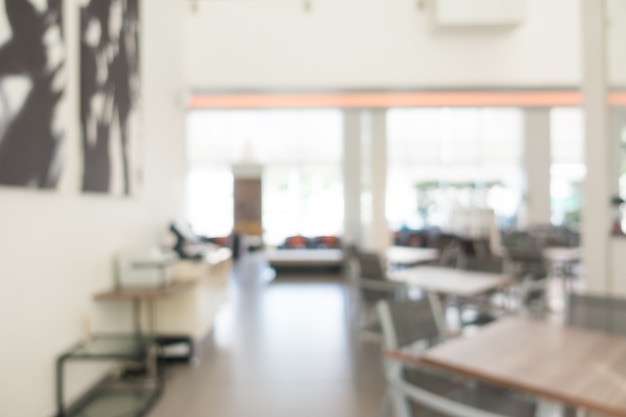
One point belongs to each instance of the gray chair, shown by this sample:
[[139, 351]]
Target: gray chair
[[532, 277], [425, 391], [594, 312], [371, 280], [371, 266], [371, 286], [485, 310], [533, 297]]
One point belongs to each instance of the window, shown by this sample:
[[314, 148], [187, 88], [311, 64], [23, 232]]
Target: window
[[301, 155], [568, 166], [209, 202], [440, 159]]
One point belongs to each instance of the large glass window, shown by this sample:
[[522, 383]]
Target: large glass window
[[441, 159], [302, 201], [300, 152], [567, 171], [209, 202]]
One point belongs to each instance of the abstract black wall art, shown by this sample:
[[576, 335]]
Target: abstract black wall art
[[32, 85], [110, 31]]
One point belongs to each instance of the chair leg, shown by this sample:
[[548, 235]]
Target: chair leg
[[401, 405], [385, 406]]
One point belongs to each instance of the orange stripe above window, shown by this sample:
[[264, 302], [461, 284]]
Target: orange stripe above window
[[617, 99], [384, 100]]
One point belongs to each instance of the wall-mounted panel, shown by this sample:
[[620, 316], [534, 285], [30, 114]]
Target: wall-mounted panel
[[32, 86], [109, 71]]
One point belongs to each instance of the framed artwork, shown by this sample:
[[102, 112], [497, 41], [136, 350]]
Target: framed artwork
[[109, 96], [32, 86]]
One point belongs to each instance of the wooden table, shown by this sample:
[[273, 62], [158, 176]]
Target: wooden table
[[405, 256], [449, 281], [579, 367], [124, 294], [562, 255], [139, 295]]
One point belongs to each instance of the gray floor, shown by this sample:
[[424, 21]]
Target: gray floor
[[280, 348]]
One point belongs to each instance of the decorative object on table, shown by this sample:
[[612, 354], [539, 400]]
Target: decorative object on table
[[109, 41], [189, 245], [32, 84], [150, 268]]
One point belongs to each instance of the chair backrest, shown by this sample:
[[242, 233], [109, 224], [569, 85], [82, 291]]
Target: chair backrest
[[371, 266], [349, 263], [366, 269], [597, 312], [405, 322]]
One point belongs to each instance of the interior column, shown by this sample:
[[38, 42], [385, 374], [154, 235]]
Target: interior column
[[537, 161], [352, 176], [598, 185], [375, 181]]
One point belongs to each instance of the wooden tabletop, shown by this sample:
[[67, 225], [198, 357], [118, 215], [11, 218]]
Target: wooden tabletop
[[411, 256], [451, 281], [144, 293], [579, 367]]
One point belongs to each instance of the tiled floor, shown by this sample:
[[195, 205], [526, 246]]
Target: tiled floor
[[280, 348], [284, 348]]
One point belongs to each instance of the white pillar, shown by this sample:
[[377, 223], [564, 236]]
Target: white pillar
[[599, 185], [380, 228], [617, 123], [352, 176], [537, 161], [379, 235]]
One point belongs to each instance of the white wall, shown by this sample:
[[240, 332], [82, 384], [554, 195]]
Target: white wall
[[56, 248], [344, 44], [616, 10]]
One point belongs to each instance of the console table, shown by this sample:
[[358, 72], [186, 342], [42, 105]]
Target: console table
[[124, 393]]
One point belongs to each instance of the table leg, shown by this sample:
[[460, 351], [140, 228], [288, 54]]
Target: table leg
[[150, 318], [564, 277], [154, 348], [137, 317], [60, 387]]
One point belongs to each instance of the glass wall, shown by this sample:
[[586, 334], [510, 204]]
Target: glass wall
[[301, 155], [567, 171], [209, 195], [441, 159]]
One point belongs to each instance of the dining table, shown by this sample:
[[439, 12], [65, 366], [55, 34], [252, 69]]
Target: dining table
[[578, 367], [450, 281], [402, 257]]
